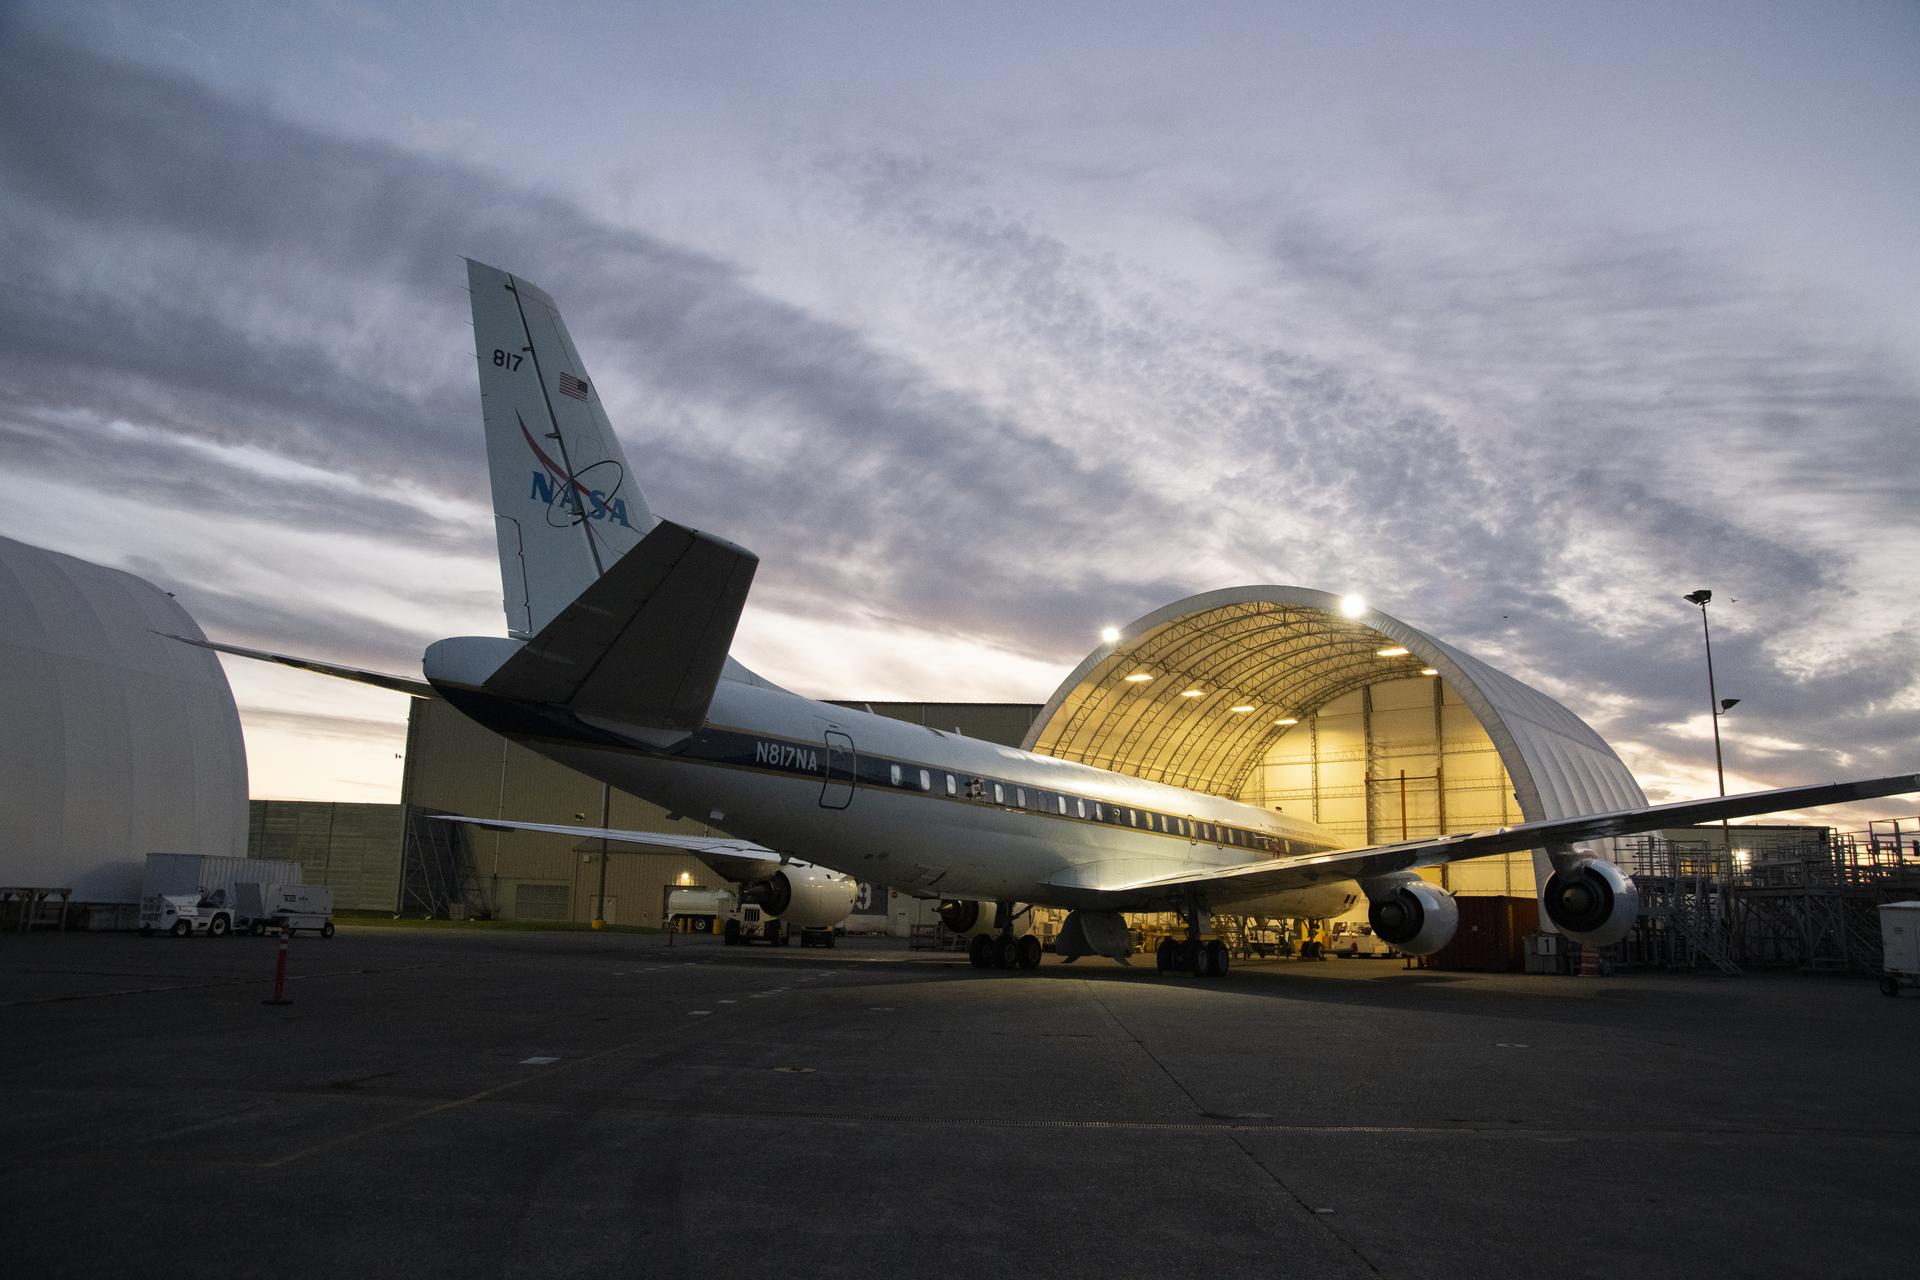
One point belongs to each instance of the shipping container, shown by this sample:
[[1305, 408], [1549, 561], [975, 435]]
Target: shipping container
[[190, 873]]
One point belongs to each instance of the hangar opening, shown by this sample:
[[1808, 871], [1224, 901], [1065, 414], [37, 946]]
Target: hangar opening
[[1293, 698]]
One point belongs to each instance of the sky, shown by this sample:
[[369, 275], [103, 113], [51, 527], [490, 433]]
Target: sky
[[989, 326]]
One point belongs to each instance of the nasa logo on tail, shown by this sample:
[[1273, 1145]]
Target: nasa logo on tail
[[569, 497], [564, 501]]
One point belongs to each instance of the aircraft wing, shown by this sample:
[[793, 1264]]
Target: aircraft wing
[[737, 860], [1254, 879], [399, 684]]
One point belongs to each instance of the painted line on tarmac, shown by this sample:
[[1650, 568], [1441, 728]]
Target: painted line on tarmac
[[651, 1041]]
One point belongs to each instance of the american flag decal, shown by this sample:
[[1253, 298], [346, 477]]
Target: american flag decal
[[572, 386]]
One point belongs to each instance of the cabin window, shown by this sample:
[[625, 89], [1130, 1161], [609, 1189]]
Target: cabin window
[[1099, 814], [893, 771], [953, 785], [999, 794], [1133, 817], [1020, 797], [1079, 808], [926, 780]]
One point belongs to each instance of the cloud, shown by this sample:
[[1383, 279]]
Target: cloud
[[1520, 430]]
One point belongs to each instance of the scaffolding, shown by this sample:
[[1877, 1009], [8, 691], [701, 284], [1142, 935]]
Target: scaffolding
[[1806, 899], [437, 877]]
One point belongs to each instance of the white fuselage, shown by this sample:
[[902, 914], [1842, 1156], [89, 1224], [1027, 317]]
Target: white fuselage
[[931, 812]]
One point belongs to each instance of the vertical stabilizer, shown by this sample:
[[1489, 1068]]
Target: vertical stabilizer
[[566, 505]]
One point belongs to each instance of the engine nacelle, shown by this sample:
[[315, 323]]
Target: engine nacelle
[[966, 917], [805, 897], [1414, 916], [1592, 901]]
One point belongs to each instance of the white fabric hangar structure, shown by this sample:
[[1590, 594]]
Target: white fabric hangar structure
[[118, 741], [1371, 727]]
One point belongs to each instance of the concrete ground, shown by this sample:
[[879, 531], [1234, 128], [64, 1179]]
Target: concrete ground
[[512, 1104]]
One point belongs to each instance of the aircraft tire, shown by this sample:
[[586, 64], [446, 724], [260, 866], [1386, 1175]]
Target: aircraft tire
[[980, 951], [1163, 955], [1027, 952], [1217, 959], [1006, 953]]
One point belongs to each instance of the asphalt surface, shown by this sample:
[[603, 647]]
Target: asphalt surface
[[502, 1104]]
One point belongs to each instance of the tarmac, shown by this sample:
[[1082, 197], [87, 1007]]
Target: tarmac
[[446, 1103]]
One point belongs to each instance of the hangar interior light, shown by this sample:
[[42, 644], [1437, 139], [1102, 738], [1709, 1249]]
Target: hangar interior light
[[1392, 651], [1429, 671], [1286, 720], [1241, 710], [1193, 693], [1138, 677]]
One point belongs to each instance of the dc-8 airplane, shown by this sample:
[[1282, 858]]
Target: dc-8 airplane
[[617, 666]]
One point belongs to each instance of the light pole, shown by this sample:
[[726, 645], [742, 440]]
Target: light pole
[[1715, 706]]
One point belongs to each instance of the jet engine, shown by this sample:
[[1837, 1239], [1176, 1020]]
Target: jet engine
[[1414, 916], [966, 917], [805, 897], [1591, 901]]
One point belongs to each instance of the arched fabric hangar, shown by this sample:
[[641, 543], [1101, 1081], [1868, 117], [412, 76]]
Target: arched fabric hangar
[[1208, 692]]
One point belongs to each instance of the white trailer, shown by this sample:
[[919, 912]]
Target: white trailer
[[292, 907], [700, 908], [201, 874], [1899, 946]]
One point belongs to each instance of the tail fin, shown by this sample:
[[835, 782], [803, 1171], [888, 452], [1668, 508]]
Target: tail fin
[[566, 506]]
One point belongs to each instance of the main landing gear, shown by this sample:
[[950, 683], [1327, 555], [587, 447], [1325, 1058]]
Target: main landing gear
[[1002, 950], [1202, 957]]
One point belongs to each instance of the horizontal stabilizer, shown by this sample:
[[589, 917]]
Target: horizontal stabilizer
[[740, 861], [399, 684], [645, 643]]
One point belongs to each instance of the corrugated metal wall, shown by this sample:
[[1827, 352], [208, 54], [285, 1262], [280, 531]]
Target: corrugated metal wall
[[1342, 768], [353, 848]]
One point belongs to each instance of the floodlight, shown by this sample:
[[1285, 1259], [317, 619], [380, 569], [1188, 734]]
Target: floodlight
[[1700, 597], [1392, 651], [1138, 677], [1110, 635], [1352, 606]]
